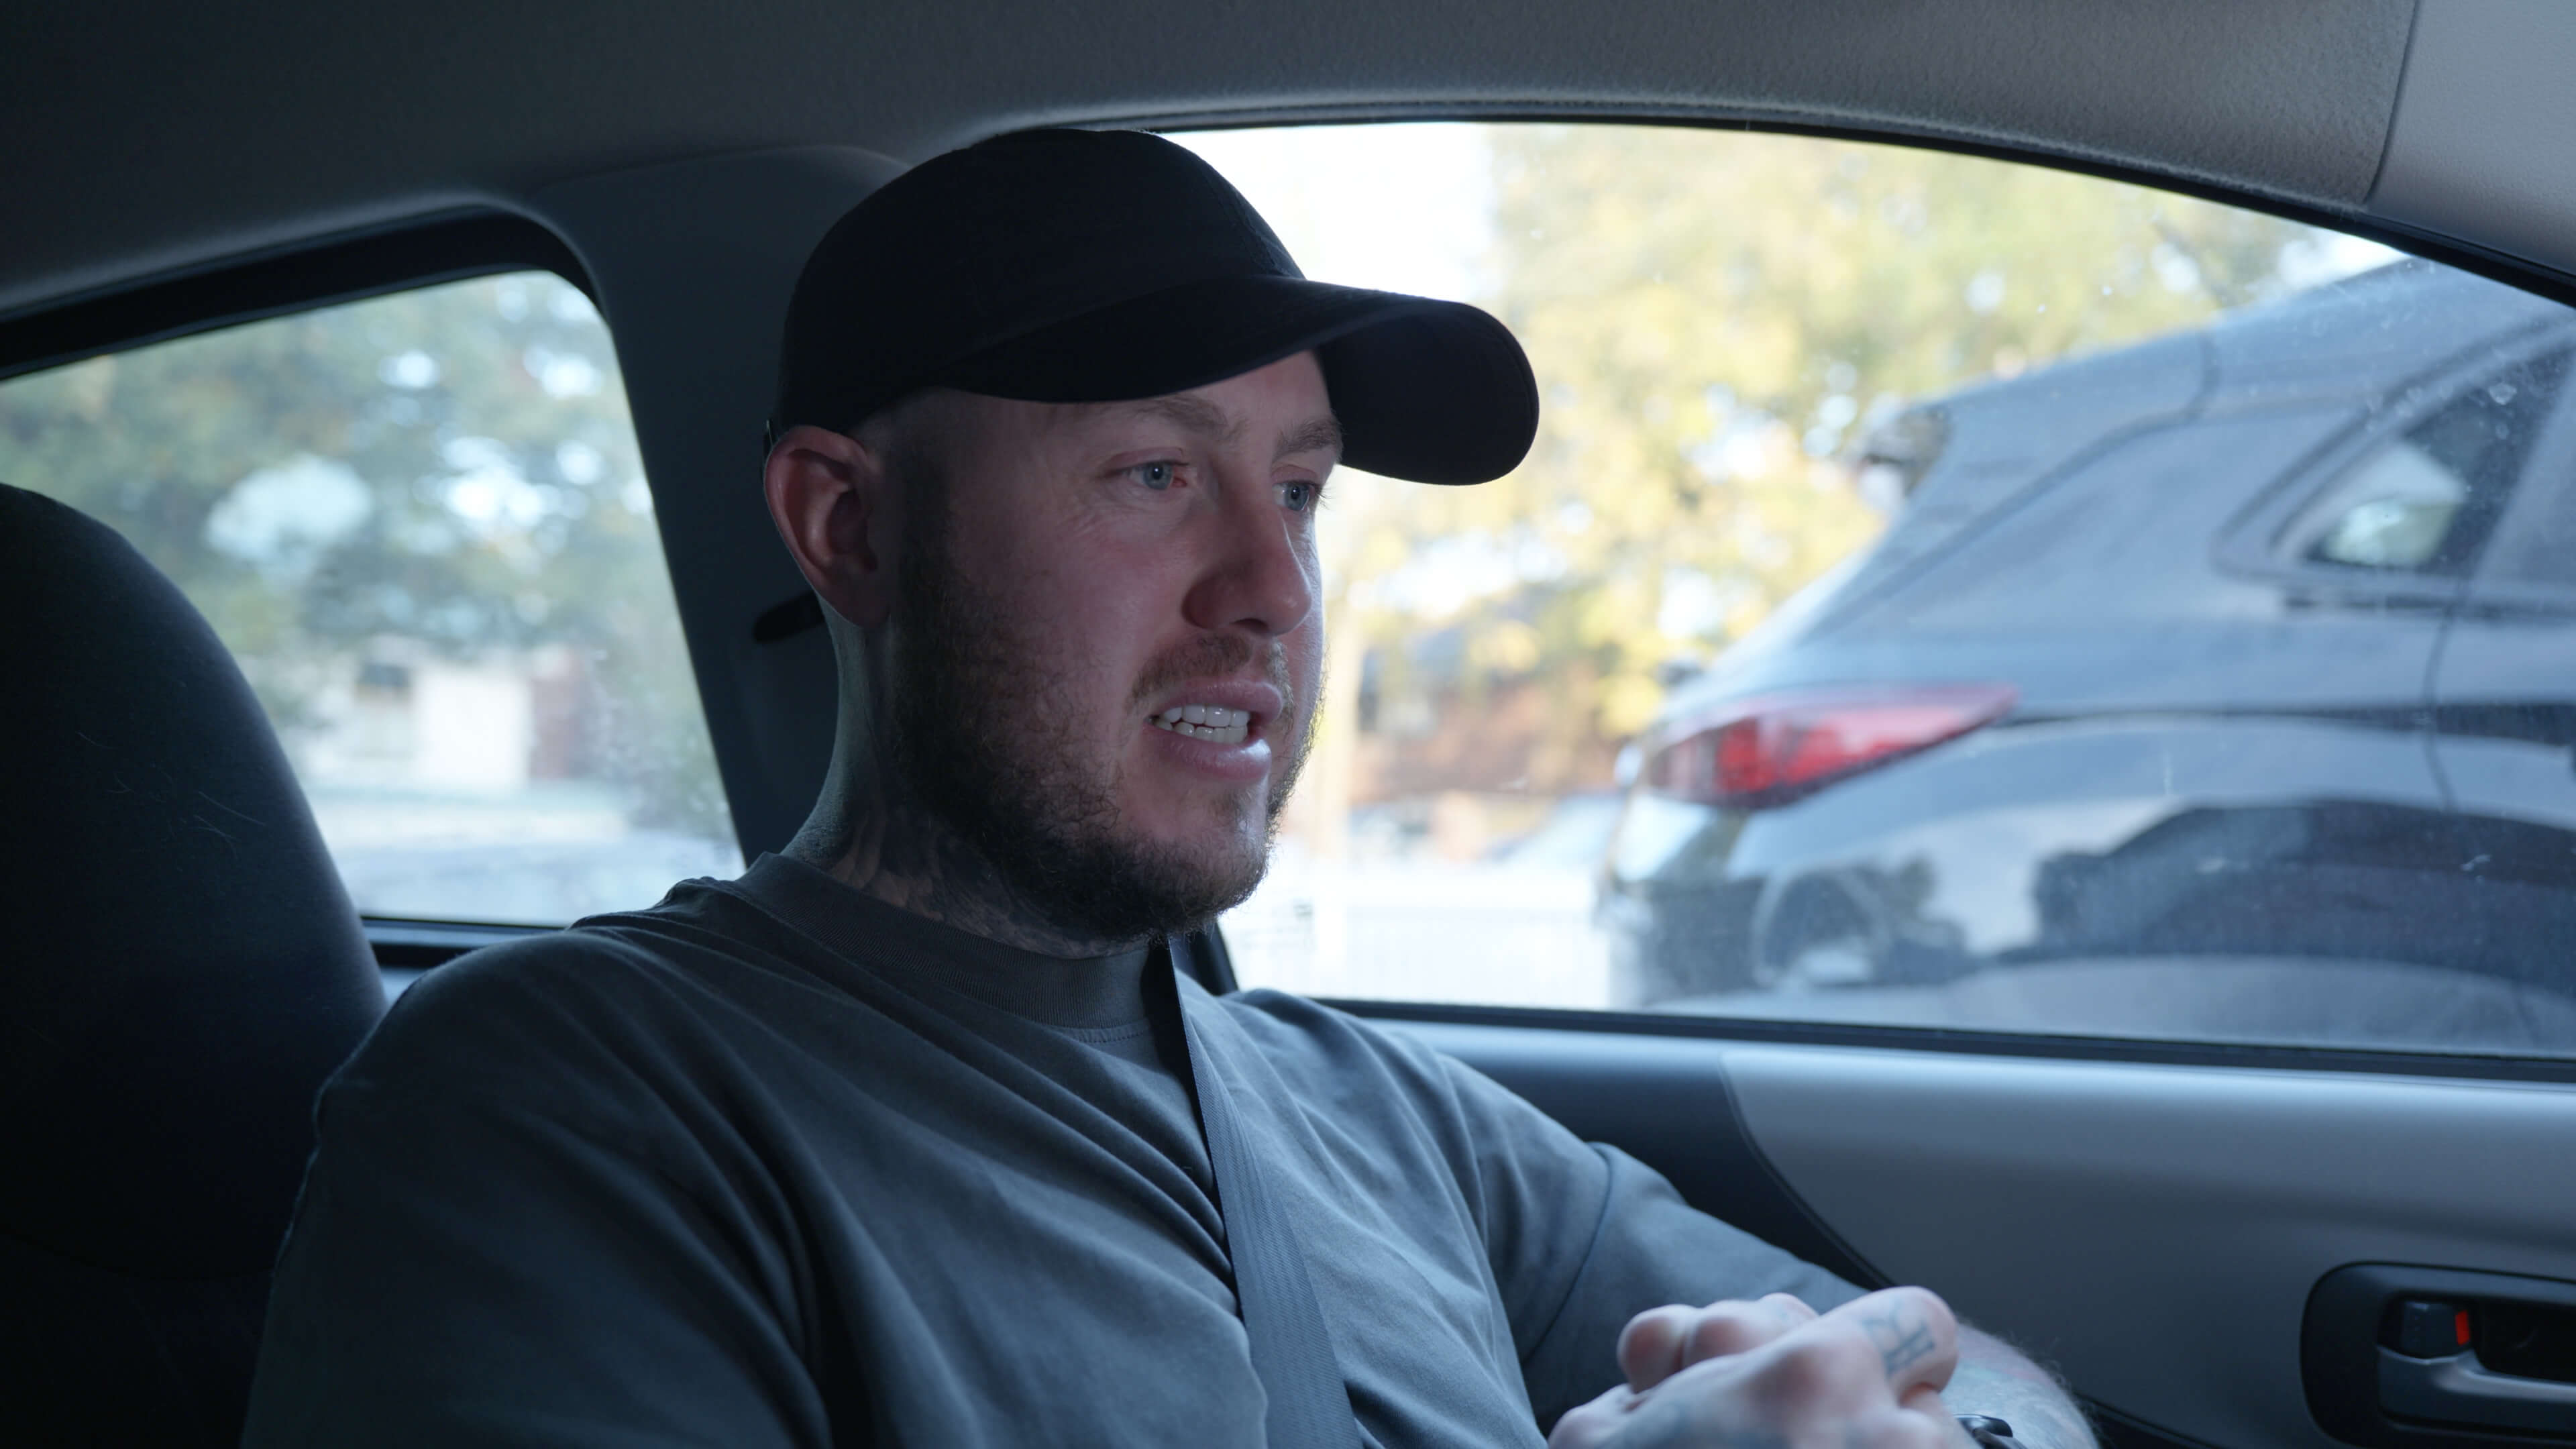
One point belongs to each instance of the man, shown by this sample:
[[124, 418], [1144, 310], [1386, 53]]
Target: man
[[914, 1134]]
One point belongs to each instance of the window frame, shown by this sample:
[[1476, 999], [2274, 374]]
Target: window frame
[[2547, 486], [2513, 271], [307, 276], [1954, 1041], [348, 267]]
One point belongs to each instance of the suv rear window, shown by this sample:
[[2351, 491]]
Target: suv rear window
[[420, 523], [2426, 501]]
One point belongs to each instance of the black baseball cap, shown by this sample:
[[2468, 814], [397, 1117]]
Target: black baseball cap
[[1101, 266]]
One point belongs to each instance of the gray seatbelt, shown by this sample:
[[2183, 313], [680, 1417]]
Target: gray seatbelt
[[1291, 1351]]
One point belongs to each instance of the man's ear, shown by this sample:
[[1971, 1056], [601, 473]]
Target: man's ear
[[829, 495]]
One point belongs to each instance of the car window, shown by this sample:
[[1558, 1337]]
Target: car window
[[420, 523], [2533, 551], [2424, 501], [1855, 645]]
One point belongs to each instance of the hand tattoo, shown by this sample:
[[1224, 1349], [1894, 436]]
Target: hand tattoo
[[1902, 1341]]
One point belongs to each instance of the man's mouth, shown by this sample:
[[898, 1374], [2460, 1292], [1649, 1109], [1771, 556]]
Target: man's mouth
[[1211, 722]]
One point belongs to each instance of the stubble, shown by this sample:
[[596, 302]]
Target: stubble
[[988, 737]]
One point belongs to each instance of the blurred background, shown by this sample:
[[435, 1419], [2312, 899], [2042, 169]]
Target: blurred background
[[420, 523], [1724, 326]]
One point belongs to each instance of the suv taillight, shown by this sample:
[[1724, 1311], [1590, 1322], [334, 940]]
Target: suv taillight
[[1770, 749]]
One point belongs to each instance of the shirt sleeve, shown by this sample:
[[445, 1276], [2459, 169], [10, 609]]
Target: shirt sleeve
[[509, 1236], [1584, 1237]]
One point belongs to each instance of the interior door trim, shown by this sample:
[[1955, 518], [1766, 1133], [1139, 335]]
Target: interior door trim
[[1978, 1043]]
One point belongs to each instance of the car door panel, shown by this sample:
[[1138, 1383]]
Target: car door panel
[[1668, 1101], [2152, 1229]]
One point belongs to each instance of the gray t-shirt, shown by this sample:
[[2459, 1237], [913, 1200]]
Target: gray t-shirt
[[773, 1163]]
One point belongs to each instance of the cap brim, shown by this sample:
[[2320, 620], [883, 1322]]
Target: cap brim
[[1426, 390]]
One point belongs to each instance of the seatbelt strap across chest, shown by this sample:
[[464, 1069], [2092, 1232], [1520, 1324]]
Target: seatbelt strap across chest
[[1292, 1353]]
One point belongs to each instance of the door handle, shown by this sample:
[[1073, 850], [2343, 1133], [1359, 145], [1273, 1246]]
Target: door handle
[[2461, 1390], [2397, 1356]]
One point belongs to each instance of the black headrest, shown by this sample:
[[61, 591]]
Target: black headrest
[[179, 966]]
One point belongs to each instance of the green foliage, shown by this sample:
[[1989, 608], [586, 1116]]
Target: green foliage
[[451, 467]]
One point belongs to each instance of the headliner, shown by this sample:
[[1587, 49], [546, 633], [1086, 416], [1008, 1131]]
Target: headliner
[[145, 138]]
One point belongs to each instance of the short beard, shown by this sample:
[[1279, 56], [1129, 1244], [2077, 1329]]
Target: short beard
[[1014, 783]]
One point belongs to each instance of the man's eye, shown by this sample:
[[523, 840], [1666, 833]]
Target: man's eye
[[1157, 476], [1298, 496]]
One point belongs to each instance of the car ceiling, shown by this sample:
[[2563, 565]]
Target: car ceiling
[[146, 139]]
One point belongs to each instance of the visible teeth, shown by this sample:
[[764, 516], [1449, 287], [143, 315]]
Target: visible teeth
[[1207, 722]]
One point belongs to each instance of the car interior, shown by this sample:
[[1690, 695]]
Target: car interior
[[2229, 1241]]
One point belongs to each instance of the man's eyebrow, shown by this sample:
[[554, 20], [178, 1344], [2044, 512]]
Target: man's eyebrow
[[1195, 414], [1316, 435]]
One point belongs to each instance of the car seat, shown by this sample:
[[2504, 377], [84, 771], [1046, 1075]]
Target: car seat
[[179, 971]]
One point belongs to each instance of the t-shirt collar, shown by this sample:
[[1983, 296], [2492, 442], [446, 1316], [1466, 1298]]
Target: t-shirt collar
[[1066, 991]]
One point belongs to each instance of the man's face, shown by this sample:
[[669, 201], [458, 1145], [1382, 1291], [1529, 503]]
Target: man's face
[[1107, 643]]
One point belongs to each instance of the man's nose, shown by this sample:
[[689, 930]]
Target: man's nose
[[1259, 574]]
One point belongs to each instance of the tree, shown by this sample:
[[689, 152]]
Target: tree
[[452, 467]]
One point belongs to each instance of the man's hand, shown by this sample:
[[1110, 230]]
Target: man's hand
[[1776, 1375]]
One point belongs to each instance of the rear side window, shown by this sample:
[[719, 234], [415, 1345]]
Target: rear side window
[[2425, 502], [1866, 640], [2536, 555], [420, 523]]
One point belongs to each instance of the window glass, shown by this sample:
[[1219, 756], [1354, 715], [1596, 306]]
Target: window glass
[[420, 523], [2538, 552], [1854, 645], [2423, 502]]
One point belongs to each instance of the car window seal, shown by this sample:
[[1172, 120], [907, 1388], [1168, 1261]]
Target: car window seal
[[2496, 266], [1951, 1040], [423, 251]]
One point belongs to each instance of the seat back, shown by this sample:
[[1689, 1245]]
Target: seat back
[[179, 971]]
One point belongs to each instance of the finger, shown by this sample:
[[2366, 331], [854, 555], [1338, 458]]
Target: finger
[[1916, 1335], [1663, 1341], [1901, 1429], [1650, 1347], [1936, 1410], [1733, 1326], [1792, 1306], [1826, 1372], [1823, 1382], [1587, 1425]]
